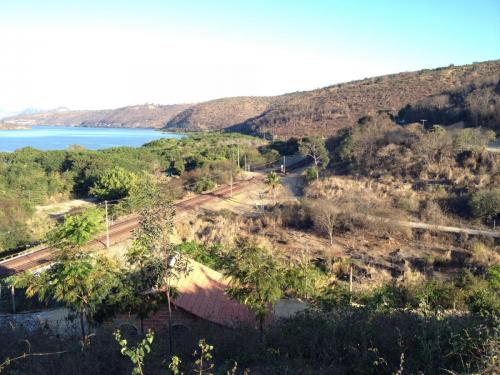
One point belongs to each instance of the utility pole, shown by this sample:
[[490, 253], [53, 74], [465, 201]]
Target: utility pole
[[107, 224], [350, 279], [238, 145], [284, 164], [13, 297], [231, 183], [423, 122]]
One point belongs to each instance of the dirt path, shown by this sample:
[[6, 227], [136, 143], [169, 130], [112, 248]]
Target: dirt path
[[292, 184]]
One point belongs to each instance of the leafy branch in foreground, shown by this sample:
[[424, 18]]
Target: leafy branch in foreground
[[135, 353], [255, 278]]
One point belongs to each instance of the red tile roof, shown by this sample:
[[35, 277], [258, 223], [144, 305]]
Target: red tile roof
[[202, 293]]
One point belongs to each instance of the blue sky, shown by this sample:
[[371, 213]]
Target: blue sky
[[101, 54]]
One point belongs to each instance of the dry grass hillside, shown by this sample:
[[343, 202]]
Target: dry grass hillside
[[221, 113], [326, 110], [466, 93], [138, 116]]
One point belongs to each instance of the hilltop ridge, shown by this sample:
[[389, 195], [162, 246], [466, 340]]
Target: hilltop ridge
[[467, 94], [324, 111], [135, 116]]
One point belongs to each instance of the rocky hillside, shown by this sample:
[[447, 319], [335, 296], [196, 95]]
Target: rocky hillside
[[138, 116], [325, 111]]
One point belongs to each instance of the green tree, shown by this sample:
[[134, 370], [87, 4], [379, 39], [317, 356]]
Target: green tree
[[114, 183], [153, 262], [273, 181], [81, 282], [485, 204], [177, 167], [474, 139], [77, 230], [255, 278], [315, 148]]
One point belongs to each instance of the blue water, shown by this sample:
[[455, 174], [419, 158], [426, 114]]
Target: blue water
[[61, 137]]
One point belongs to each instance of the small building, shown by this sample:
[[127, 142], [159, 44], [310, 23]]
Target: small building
[[202, 298]]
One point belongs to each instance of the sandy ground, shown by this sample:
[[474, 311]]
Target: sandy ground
[[58, 209]]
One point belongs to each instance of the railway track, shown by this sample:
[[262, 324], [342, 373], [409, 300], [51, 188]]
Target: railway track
[[118, 232]]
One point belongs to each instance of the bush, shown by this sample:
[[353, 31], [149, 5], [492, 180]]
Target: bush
[[114, 183], [210, 256], [203, 184], [482, 293], [310, 174], [485, 204]]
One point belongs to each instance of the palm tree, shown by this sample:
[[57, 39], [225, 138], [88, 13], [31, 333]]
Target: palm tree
[[273, 181]]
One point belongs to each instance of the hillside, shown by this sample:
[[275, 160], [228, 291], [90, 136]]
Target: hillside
[[475, 104], [324, 111], [138, 116], [447, 95], [221, 113], [9, 126]]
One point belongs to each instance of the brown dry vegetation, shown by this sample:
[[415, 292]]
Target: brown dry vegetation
[[380, 252], [220, 113], [325, 111], [466, 93]]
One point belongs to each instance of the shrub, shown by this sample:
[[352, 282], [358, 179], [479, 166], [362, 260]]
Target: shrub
[[203, 184], [481, 293], [114, 183], [472, 139], [210, 256], [485, 204], [310, 174]]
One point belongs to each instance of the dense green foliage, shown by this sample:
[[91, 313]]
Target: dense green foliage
[[76, 230], [114, 183], [29, 177], [255, 278]]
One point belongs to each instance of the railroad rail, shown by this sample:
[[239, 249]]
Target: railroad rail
[[121, 230]]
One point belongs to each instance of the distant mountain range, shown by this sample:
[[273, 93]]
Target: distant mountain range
[[468, 93], [136, 116]]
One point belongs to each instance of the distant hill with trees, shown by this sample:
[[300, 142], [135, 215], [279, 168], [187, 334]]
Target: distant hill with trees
[[325, 111], [467, 94], [136, 116]]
